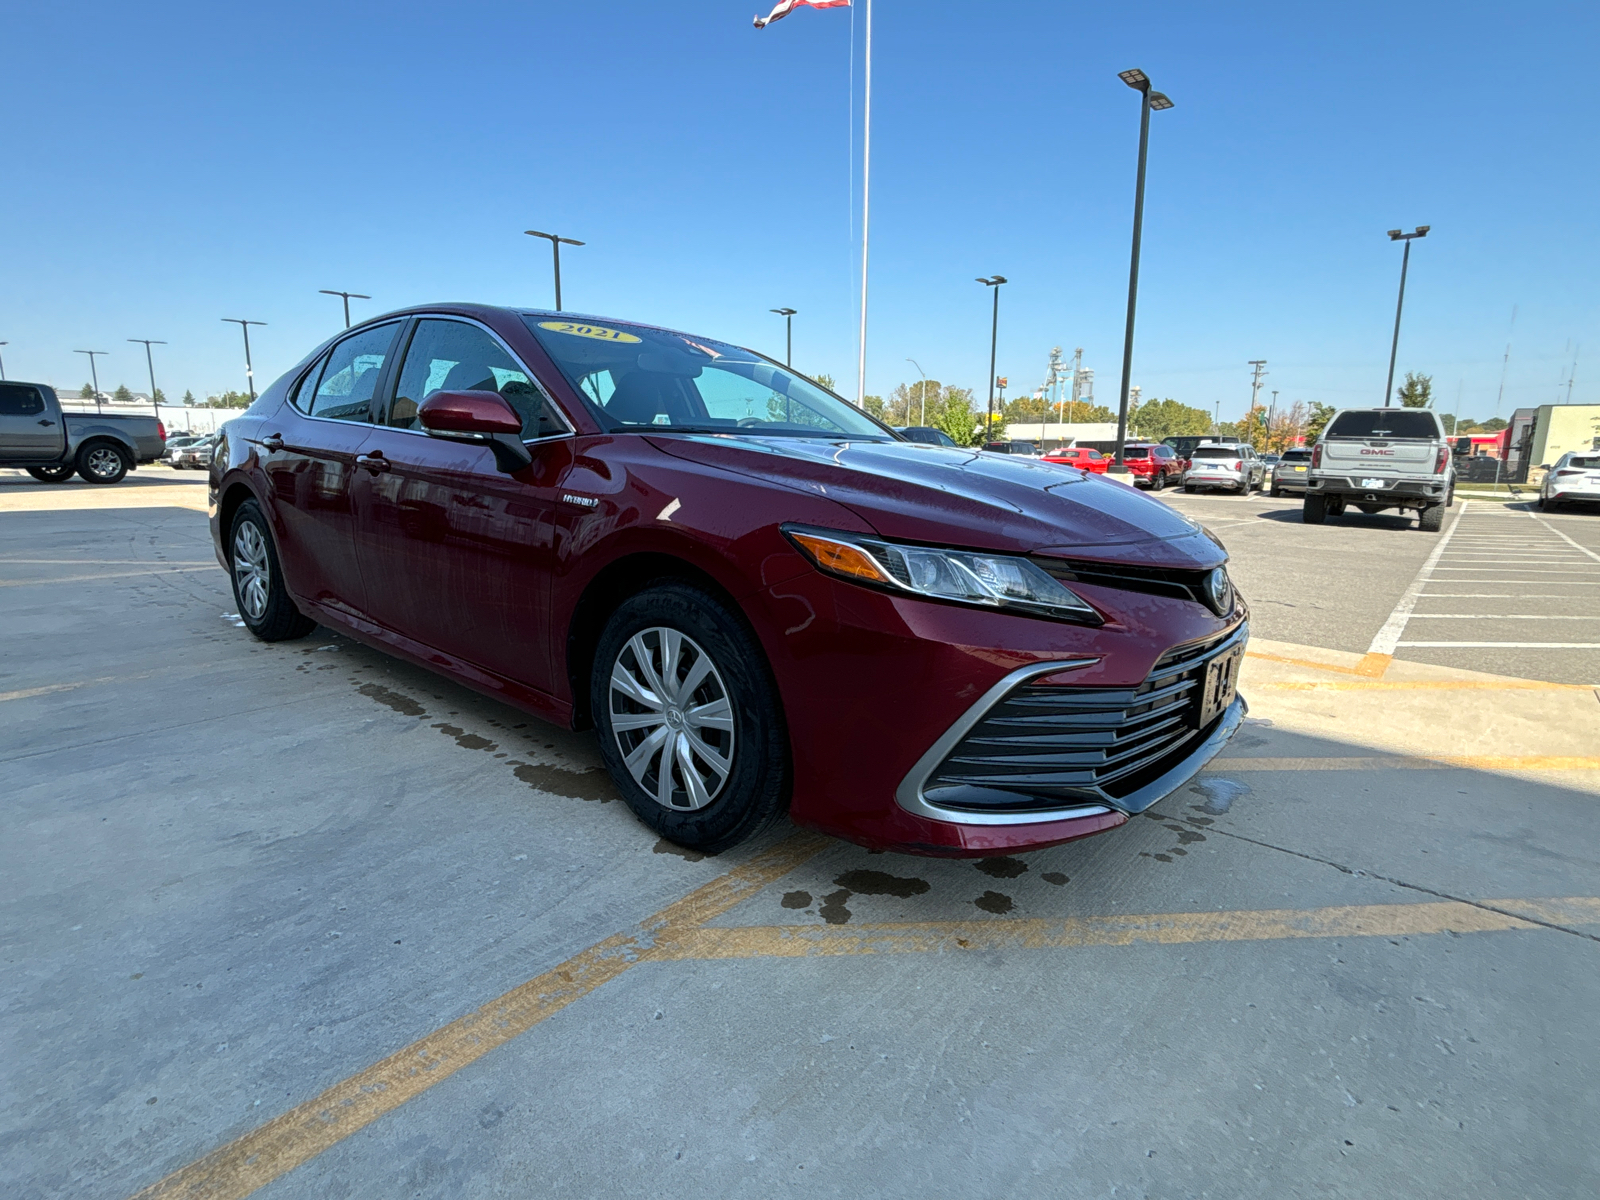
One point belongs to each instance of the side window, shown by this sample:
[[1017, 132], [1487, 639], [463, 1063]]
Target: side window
[[350, 374], [19, 401], [452, 356], [307, 387]]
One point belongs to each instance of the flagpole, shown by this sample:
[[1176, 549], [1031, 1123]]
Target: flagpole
[[866, 191]]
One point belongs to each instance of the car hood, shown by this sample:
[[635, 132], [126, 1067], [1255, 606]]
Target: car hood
[[968, 498]]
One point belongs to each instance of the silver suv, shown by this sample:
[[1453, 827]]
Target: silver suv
[[1232, 466], [1378, 458]]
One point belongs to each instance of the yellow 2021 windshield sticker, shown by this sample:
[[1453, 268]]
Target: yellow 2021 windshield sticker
[[598, 332]]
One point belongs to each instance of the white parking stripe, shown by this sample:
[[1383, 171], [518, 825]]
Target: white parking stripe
[[1506, 645], [1498, 617], [1387, 638]]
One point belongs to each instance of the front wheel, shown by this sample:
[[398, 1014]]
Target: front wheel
[[264, 603], [689, 720], [53, 474], [102, 462]]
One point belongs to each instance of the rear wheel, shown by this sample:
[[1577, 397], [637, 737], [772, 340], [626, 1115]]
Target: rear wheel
[[1276, 491], [102, 462], [1314, 510], [1431, 519], [1157, 481], [688, 717], [53, 474], [264, 603], [1188, 489]]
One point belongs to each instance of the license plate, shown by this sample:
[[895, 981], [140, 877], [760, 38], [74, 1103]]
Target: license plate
[[1298, 469], [1374, 483], [1220, 687]]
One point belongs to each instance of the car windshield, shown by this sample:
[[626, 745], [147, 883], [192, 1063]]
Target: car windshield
[[1214, 452], [1384, 423], [633, 377]]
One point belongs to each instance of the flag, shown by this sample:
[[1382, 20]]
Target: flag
[[784, 7]]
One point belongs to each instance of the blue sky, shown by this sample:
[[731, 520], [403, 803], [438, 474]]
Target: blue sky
[[172, 164]]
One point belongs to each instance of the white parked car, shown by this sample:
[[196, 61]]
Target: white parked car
[[1575, 477], [1232, 466]]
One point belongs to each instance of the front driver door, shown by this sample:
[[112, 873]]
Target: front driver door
[[309, 454], [457, 554], [29, 431]]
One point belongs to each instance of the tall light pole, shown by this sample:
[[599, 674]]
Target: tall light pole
[[556, 242], [923, 419], [788, 333], [993, 281], [93, 374], [1258, 367], [1148, 100], [249, 370], [348, 296], [150, 363], [1405, 261], [3, 362]]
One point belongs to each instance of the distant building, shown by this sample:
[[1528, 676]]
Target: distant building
[[1539, 436]]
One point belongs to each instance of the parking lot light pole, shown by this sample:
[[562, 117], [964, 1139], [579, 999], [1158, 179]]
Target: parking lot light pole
[[788, 333], [348, 296], [1148, 100], [922, 420], [3, 362], [150, 363], [93, 374], [556, 242], [993, 281], [249, 370], [1405, 261]]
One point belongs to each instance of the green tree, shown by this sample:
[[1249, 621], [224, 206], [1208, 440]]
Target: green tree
[[227, 400], [1449, 421], [952, 415], [160, 397], [86, 392], [122, 395], [874, 406], [1416, 391], [1157, 419], [1492, 425], [188, 399], [1321, 414], [827, 382], [1028, 410]]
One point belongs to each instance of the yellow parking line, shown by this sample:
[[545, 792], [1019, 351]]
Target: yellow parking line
[[1371, 665], [1406, 762], [105, 575], [1420, 685], [262, 1155], [922, 937]]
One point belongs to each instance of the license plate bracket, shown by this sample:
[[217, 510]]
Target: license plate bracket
[[1219, 686]]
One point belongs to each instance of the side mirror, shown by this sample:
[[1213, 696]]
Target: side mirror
[[478, 417], [1544, 466]]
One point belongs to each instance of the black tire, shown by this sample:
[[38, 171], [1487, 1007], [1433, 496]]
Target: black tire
[[268, 613], [1314, 510], [1188, 489], [1276, 492], [754, 791], [53, 474], [1450, 496], [1431, 519], [102, 462], [1158, 481]]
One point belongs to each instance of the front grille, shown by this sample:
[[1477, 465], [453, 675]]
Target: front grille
[[1155, 581], [1048, 747]]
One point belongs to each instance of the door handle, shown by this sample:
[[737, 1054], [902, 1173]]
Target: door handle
[[46, 422], [273, 441], [374, 462]]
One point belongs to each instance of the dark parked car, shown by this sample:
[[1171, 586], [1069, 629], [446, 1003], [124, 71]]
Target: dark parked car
[[762, 600], [926, 434], [1027, 448]]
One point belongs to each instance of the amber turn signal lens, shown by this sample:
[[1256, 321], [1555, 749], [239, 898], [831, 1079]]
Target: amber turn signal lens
[[841, 557]]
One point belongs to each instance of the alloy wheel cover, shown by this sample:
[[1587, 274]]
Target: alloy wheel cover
[[104, 462], [251, 571], [672, 717]]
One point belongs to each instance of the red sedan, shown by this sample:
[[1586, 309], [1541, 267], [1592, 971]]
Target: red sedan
[[1080, 456], [763, 601]]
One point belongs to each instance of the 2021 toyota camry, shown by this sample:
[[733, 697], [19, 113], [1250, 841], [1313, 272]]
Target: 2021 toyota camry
[[762, 600]]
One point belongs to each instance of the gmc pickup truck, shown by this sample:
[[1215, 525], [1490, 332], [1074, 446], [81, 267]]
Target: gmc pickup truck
[[50, 444], [1378, 458]]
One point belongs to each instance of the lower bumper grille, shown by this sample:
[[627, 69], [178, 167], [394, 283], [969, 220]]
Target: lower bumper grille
[[1042, 748]]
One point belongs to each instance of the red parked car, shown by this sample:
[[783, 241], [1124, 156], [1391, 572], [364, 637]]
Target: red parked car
[[1152, 466], [1080, 456], [763, 601]]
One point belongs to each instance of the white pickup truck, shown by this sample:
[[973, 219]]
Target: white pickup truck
[[1378, 458]]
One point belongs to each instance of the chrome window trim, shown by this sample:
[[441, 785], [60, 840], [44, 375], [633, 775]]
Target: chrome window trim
[[321, 359], [909, 794], [533, 378]]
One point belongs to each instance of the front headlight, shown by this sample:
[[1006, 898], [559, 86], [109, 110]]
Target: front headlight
[[1001, 581]]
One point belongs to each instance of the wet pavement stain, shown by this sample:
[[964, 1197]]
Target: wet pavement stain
[[665, 847], [796, 900], [1219, 793], [593, 784], [833, 910], [881, 883], [404, 705], [1001, 868], [995, 902], [1055, 877], [467, 741]]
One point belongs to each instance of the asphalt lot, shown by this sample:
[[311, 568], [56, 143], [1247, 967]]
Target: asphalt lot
[[300, 920]]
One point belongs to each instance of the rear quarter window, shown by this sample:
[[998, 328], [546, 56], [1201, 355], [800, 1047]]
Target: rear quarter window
[[1390, 423], [1590, 462]]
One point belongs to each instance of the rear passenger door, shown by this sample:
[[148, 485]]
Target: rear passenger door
[[457, 554]]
